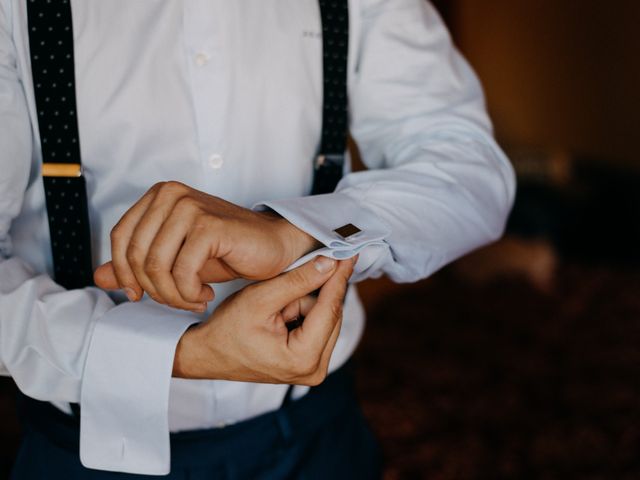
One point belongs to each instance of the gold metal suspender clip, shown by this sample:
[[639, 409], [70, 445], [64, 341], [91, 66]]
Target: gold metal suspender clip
[[61, 170]]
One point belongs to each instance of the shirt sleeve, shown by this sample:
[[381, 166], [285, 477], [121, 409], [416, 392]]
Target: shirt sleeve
[[438, 185], [63, 346]]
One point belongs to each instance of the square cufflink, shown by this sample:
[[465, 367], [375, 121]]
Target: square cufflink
[[347, 231]]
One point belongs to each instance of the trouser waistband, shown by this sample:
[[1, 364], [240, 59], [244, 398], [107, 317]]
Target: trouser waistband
[[256, 436]]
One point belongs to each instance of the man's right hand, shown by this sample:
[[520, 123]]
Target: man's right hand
[[247, 339]]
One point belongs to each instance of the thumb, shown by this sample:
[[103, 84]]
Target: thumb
[[105, 277], [318, 325], [280, 291]]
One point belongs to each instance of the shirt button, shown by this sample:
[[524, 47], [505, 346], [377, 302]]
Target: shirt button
[[201, 59], [215, 161]]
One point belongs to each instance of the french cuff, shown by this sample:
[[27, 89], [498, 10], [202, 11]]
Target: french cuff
[[336, 220], [124, 424]]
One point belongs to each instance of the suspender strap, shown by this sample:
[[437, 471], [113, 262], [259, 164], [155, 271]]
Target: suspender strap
[[329, 163], [52, 65]]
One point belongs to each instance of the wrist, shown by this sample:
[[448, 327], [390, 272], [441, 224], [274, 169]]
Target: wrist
[[191, 359], [297, 242]]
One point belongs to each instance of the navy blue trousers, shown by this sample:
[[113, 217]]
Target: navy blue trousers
[[321, 436]]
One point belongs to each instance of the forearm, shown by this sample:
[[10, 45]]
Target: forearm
[[438, 185], [445, 196]]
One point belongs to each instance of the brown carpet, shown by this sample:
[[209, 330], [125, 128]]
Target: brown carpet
[[500, 381]]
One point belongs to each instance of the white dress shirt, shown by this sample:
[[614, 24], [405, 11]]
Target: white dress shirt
[[225, 96]]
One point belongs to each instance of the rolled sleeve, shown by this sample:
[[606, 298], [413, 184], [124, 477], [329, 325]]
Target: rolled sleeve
[[125, 389]]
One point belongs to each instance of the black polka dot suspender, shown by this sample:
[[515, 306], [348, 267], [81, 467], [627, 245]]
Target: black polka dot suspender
[[52, 65], [329, 163], [51, 47]]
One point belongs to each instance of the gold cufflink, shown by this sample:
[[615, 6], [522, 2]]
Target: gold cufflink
[[348, 230]]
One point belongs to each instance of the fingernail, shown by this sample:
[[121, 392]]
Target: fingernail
[[131, 295], [324, 264], [200, 308]]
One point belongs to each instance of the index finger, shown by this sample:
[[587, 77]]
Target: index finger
[[120, 237]]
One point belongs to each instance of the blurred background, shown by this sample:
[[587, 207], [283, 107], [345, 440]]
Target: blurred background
[[521, 360]]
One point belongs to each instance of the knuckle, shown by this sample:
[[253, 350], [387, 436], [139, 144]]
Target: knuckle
[[185, 203], [116, 233], [157, 186], [173, 186], [171, 189], [181, 272], [135, 255], [152, 265], [297, 277]]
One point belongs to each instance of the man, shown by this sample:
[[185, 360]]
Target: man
[[212, 108]]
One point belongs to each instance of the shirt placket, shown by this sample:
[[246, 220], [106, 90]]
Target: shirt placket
[[208, 73]]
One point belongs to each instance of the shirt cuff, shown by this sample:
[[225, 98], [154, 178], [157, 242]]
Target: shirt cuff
[[124, 423], [321, 215]]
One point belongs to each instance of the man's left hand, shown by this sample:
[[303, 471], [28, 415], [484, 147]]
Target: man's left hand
[[176, 239]]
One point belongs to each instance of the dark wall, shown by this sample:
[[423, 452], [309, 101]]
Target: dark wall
[[559, 75]]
